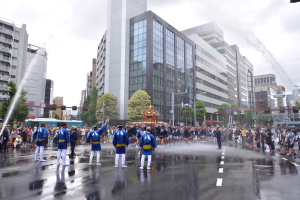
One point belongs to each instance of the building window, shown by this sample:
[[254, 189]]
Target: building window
[[12, 76], [16, 41], [170, 48], [138, 50], [14, 58]]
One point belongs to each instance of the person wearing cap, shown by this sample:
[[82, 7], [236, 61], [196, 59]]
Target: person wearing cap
[[120, 142], [95, 136], [63, 138], [40, 136], [147, 145], [73, 138]]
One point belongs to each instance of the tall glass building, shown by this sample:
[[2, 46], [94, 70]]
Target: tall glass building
[[162, 63]]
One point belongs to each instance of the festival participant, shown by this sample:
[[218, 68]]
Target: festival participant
[[147, 145], [63, 143], [218, 136], [40, 136], [95, 136], [120, 142], [186, 135]]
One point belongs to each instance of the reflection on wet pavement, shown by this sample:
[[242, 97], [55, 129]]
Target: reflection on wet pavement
[[185, 176]]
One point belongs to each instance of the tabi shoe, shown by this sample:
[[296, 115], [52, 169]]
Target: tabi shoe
[[98, 164], [90, 164], [148, 168], [141, 168], [124, 166], [43, 160]]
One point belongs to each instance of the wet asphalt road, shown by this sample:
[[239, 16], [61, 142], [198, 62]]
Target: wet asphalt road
[[195, 171]]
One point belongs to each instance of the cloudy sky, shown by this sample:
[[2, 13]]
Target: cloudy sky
[[72, 30]]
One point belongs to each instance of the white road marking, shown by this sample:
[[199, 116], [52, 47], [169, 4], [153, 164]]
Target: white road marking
[[223, 149], [284, 158], [222, 162], [223, 153], [219, 181], [220, 170], [223, 157]]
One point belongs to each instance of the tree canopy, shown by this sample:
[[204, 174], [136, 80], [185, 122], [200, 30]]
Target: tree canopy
[[89, 117], [20, 111], [298, 103], [200, 110], [107, 106], [138, 103]]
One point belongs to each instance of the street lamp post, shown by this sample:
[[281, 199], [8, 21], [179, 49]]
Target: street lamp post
[[195, 108], [173, 114]]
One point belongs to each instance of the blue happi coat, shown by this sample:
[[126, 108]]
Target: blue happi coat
[[120, 141], [95, 136], [63, 138], [148, 143], [39, 135]]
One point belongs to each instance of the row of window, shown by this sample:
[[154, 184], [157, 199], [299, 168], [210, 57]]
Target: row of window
[[211, 95], [210, 56], [206, 73], [137, 80], [213, 86], [204, 62]]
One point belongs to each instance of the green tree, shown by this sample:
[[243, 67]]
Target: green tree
[[20, 111], [138, 103], [200, 110], [57, 117], [262, 119], [298, 103], [222, 114], [246, 119], [107, 106], [186, 113], [89, 116]]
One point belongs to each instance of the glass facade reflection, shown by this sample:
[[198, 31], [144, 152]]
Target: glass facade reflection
[[138, 50]]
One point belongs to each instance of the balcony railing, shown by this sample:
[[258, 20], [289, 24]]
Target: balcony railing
[[3, 88], [6, 40], [4, 78], [4, 58], [5, 30], [4, 97], [5, 49], [4, 68]]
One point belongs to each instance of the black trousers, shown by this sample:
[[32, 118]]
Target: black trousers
[[219, 142]]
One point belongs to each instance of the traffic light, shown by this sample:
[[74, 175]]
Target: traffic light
[[294, 1], [282, 110], [74, 107], [63, 107]]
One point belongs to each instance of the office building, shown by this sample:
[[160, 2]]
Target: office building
[[36, 81], [210, 75], [13, 54], [82, 99], [117, 49], [89, 87], [239, 68], [100, 66], [58, 101], [49, 88]]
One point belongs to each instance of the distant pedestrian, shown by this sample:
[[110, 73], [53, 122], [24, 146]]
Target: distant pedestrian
[[73, 138], [120, 142], [40, 136], [95, 136], [218, 136], [63, 143]]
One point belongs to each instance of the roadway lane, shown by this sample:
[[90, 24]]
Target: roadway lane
[[195, 171]]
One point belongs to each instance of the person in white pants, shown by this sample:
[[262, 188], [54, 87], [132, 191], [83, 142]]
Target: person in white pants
[[147, 145], [120, 142], [63, 143], [40, 136], [94, 137]]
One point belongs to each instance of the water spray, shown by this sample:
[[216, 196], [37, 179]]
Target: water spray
[[15, 99]]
